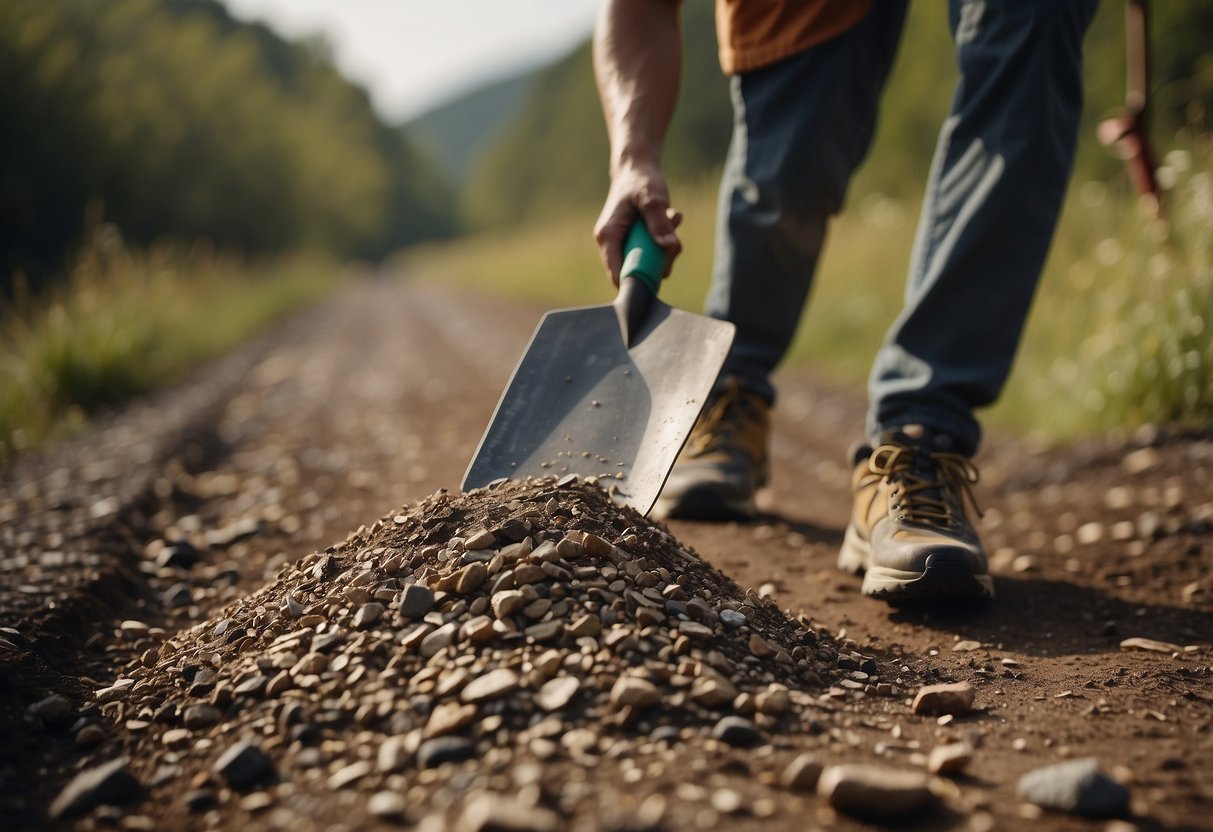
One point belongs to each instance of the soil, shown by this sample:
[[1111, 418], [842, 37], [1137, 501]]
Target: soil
[[169, 557]]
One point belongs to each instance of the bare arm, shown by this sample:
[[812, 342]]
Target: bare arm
[[637, 64]]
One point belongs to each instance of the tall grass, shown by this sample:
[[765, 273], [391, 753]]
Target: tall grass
[[1121, 332], [125, 322]]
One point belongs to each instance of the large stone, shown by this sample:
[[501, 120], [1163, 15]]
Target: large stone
[[937, 700], [876, 793], [107, 784], [1075, 786]]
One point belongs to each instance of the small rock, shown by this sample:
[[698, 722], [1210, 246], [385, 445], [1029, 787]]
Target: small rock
[[107, 784], [732, 619], [441, 750], [392, 755], [489, 812], [448, 718], [966, 646], [1075, 786], [802, 773], [244, 765], [774, 701], [386, 804], [352, 773], [54, 710], [936, 700], [470, 577], [416, 601], [90, 735], [507, 602], [875, 793], [713, 691], [178, 595], [950, 759], [368, 615], [437, 640], [727, 801], [556, 693], [201, 716], [492, 685], [1150, 645], [480, 538], [737, 731], [634, 692]]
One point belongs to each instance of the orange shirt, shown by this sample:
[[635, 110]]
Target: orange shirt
[[754, 33]]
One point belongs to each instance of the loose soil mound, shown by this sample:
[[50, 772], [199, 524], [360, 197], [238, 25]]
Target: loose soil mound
[[529, 626]]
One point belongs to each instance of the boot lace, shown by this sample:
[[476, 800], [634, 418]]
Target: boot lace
[[932, 497]]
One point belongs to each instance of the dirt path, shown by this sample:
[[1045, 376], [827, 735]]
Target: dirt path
[[377, 398]]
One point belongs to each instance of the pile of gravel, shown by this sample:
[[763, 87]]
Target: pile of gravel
[[530, 627]]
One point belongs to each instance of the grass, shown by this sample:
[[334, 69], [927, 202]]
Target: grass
[[1121, 332], [126, 322]]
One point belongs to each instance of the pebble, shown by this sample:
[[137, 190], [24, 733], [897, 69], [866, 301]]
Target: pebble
[[488, 812], [437, 640], [556, 693], [368, 614], [634, 692], [737, 731], [732, 619], [937, 700], [244, 765], [507, 602], [802, 773], [439, 750], [107, 784], [448, 718], [352, 773], [874, 792], [201, 716], [54, 710], [713, 691], [950, 759], [416, 601], [386, 804], [1075, 786], [727, 801]]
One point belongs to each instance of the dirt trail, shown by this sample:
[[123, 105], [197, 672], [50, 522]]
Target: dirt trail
[[156, 519]]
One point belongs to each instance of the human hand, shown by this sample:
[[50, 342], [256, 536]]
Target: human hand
[[637, 191]]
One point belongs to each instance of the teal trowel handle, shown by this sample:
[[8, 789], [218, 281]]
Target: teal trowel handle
[[643, 259], [643, 265]]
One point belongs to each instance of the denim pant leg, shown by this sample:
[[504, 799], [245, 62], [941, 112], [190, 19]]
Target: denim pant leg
[[996, 185], [801, 126]]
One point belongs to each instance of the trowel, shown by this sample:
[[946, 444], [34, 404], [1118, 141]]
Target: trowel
[[607, 392]]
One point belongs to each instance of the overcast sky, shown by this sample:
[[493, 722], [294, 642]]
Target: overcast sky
[[413, 54]]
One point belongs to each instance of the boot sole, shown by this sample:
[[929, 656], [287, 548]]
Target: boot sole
[[706, 505], [945, 577]]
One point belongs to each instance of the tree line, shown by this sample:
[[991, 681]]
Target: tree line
[[169, 118]]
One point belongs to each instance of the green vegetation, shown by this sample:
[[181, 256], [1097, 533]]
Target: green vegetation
[[181, 122], [126, 322]]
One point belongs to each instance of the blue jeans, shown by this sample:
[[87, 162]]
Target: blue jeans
[[1005, 152]]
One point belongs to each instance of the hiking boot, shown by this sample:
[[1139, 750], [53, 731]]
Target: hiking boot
[[910, 533], [724, 462]]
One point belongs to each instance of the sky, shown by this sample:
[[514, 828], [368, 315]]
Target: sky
[[414, 54]]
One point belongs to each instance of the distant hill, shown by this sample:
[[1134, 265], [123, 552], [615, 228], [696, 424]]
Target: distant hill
[[455, 134]]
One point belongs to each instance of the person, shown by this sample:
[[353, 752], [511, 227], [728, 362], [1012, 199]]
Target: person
[[806, 77]]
